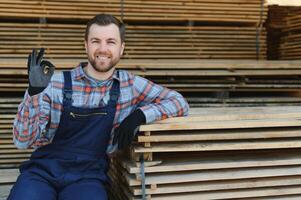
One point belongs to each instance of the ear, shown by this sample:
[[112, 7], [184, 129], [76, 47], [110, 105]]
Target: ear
[[122, 48]]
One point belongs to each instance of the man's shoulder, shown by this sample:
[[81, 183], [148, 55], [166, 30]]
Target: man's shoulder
[[125, 75], [58, 76]]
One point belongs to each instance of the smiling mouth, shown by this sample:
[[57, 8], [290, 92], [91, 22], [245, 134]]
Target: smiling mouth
[[102, 57]]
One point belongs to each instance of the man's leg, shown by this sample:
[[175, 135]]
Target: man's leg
[[33, 187], [91, 189]]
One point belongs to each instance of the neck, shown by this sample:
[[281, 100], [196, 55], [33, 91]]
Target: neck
[[101, 76]]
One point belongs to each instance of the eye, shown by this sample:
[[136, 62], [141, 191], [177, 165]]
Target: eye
[[111, 42]]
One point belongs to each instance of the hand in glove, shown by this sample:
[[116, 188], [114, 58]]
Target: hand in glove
[[124, 134], [39, 72]]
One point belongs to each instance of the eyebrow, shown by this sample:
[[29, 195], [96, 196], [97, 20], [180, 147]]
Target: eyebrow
[[112, 39], [94, 38]]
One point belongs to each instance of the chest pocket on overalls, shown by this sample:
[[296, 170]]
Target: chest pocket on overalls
[[86, 116]]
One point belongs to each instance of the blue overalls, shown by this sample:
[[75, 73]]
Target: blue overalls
[[74, 165]]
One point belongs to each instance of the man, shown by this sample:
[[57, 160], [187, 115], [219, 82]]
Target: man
[[76, 118]]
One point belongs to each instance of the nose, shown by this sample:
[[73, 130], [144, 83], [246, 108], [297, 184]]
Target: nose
[[102, 47]]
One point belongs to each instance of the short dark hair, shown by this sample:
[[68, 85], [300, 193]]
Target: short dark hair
[[106, 19]]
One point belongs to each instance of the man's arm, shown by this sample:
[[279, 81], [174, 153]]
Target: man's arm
[[31, 120], [158, 102], [33, 113], [152, 102]]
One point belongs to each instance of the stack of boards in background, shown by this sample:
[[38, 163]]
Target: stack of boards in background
[[171, 30], [284, 33], [212, 51], [274, 25], [205, 83], [290, 43], [175, 30], [167, 29], [142, 42], [215, 153], [137, 10]]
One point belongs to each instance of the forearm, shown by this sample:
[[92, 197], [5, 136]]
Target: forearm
[[33, 112], [158, 102], [29, 121], [173, 105]]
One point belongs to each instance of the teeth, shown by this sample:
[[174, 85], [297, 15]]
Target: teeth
[[101, 57]]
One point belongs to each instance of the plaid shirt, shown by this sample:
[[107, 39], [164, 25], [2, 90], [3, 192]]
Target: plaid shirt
[[38, 116]]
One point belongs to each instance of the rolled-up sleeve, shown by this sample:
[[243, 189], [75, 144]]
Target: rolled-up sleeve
[[158, 102], [31, 119]]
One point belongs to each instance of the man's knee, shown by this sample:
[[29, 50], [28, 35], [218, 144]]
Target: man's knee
[[29, 186], [91, 189]]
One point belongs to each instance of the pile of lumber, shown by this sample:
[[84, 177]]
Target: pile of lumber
[[277, 16], [275, 22], [8, 178], [206, 83], [290, 44], [199, 29], [133, 10], [243, 99], [216, 153], [142, 42]]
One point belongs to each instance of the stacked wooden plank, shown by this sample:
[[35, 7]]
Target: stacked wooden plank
[[277, 15], [290, 48], [223, 29], [236, 74], [137, 10], [8, 177], [244, 99], [216, 153], [274, 25], [206, 83], [142, 42]]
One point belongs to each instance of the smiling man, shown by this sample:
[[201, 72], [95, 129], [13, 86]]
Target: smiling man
[[104, 47], [75, 119]]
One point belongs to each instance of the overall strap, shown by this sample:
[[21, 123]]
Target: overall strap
[[114, 92], [67, 92]]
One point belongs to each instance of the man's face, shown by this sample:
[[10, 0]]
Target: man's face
[[104, 47]]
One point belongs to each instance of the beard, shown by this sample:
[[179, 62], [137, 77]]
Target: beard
[[103, 66]]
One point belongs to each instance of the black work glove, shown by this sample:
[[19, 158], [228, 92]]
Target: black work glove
[[124, 134], [39, 72]]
